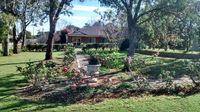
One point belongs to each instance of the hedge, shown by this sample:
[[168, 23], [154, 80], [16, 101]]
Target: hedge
[[171, 55], [42, 47], [98, 46]]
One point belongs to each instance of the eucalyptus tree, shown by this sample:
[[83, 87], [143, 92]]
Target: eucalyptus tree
[[52, 9], [135, 10]]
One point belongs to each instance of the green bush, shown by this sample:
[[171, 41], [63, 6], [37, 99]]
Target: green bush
[[42, 47], [98, 46], [38, 72], [69, 56]]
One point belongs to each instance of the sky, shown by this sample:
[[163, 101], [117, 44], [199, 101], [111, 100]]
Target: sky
[[83, 12]]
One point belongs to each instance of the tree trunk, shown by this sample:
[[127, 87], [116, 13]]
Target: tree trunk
[[15, 41], [5, 46], [23, 38], [132, 42], [50, 41]]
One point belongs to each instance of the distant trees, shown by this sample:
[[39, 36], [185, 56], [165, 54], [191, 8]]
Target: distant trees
[[159, 23], [6, 22], [23, 11]]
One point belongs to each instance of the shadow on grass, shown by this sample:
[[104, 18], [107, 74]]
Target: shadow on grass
[[18, 63], [168, 65], [11, 82]]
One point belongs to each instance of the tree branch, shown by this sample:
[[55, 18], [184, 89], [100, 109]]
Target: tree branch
[[150, 11], [125, 4], [60, 9], [148, 19], [137, 9]]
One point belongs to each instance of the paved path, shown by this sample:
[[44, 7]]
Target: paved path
[[82, 61]]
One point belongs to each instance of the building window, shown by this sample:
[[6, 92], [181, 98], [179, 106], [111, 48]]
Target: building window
[[92, 40]]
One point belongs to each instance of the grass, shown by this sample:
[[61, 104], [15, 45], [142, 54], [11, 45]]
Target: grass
[[11, 80]]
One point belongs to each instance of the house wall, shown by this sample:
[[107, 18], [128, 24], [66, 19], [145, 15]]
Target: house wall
[[86, 39]]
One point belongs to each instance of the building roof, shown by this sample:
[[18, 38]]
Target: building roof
[[90, 31]]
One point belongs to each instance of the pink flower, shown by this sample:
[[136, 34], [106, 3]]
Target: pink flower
[[73, 77], [67, 82], [78, 71], [130, 57], [73, 70], [77, 83], [74, 88], [65, 70]]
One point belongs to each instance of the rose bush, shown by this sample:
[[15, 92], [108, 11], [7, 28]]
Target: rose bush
[[74, 77]]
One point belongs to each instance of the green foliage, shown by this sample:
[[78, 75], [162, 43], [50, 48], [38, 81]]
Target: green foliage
[[29, 35], [98, 46], [37, 72], [42, 47], [107, 59], [93, 61], [135, 64], [167, 77], [194, 69], [69, 56], [6, 21], [126, 86]]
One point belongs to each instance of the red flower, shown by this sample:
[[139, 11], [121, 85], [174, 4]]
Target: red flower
[[143, 61], [83, 81], [74, 88], [73, 70], [65, 70]]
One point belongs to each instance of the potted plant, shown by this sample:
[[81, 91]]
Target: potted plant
[[93, 66]]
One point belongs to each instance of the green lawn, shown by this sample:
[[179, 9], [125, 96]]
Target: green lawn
[[11, 80]]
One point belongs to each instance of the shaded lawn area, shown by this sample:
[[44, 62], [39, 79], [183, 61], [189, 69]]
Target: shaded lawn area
[[11, 80]]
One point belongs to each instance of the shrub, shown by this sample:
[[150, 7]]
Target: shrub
[[74, 77], [134, 64], [33, 72], [98, 46], [124, 45], [167, 77], [42, 47], [69, 56], [194, 69], [93, 61], [38, 72]]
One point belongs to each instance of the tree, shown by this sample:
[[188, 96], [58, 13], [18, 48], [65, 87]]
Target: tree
[[52, 9], [6, 22], [24, 11], [135, 10], [29, 10]]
